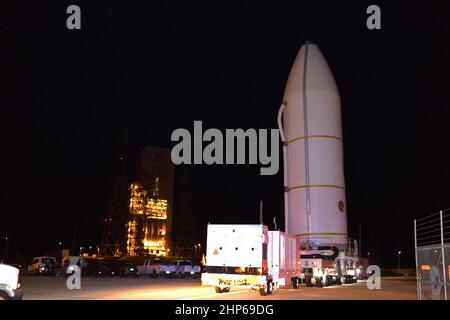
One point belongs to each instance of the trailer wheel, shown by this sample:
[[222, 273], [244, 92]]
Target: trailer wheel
[[218, 289], [269, 287], [227, 289], [267, 290]]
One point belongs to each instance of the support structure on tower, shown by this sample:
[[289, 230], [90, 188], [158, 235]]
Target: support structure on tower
[[113, 242]]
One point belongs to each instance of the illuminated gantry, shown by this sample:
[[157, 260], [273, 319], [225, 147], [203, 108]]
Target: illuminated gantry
[[146, 228]]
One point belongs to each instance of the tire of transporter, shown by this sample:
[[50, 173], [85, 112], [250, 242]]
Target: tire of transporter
[[328, 281], [343, 280], [308, 281], [333, 280], [295, 283], [319, 282]]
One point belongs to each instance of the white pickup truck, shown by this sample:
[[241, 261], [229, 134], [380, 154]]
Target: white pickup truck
[[151, 267], [180, 268], [10, 283]]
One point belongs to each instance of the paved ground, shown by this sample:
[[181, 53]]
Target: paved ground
[[46, 288]]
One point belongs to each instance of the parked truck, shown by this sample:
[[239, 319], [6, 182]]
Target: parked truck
[[180, 268], [10, 283], [250, 256], [151, 267]]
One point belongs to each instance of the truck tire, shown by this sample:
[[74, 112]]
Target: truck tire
[[153, 274], [227, 289], [3, 296], [218, 289]]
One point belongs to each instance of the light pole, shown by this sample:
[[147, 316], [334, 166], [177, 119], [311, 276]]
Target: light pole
[[399, 255], [7, 239], [74, 237]]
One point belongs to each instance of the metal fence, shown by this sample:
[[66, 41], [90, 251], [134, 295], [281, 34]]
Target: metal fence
[[432, 244]]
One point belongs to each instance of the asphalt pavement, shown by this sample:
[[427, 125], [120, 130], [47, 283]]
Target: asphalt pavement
[[51, 288]]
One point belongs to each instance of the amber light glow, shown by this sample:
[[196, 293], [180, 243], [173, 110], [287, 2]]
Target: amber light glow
[[146, 228]]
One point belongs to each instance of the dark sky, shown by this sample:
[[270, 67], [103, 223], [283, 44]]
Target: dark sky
[[154, 66]]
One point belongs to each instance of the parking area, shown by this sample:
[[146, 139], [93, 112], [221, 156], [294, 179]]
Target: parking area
[[53, 288]]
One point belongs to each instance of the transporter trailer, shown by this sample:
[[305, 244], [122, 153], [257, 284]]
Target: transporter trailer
[[329, 264]]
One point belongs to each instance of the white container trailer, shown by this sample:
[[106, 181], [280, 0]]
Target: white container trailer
[[284, 259], [250, 256]]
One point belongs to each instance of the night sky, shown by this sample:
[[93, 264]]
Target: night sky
[[154, 66]]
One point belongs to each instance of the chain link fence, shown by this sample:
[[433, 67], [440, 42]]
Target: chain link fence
[[432, 244]]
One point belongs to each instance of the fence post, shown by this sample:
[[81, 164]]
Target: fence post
[[418, 284], [443, 256]]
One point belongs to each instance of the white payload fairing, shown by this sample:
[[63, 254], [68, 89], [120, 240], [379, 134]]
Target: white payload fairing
[[310, 127]]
